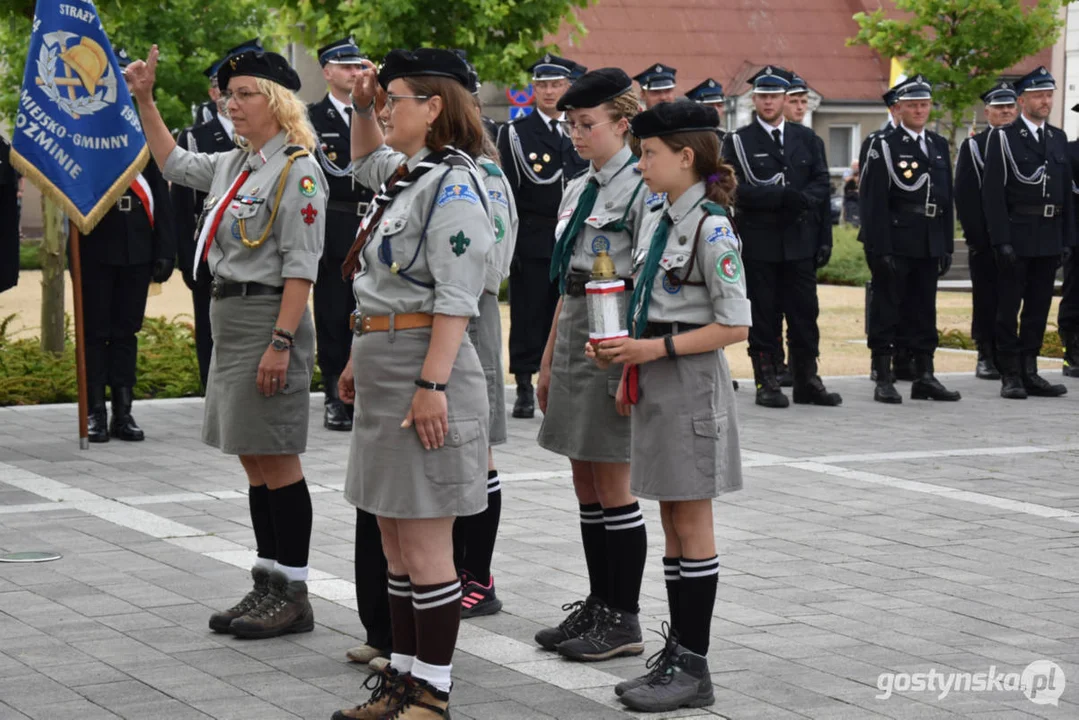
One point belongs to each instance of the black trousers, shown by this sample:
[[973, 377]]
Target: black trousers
[[904, 301], [1068, 315], [204, 339], [114, 303], [334, 303], [1025, 289], [983, 280], [533, 300], [783, 289], [372, 595]]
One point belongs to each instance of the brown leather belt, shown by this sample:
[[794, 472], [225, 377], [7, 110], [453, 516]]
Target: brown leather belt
[[386, 323]]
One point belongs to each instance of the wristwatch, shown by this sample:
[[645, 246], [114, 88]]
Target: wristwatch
[[361, 111], [279, 344]]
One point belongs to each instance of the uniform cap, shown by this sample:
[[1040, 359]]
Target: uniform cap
[[552, 67], [595, 88], [889, 97], [473, 77], [340, 52], [657, 77], [1003, 93], [1038, 79], [669, 118], [709, 92], [798, 84], [915, 88], [260, 64], [252, 44], [122, 58], [770, 80], [577, 71], [424, 61]]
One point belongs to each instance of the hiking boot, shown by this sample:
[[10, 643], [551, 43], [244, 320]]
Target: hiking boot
[[220, 621], [685, 682], [364, 653], [379, 663], [1035, 384], [388, 690], [421, 701], [615, 633], [885, 391], [123, 425], [656, 665], [478, 600], [769, 393], [808, 387], [285, 609], [581, 618], [986, 369], [926, 386]]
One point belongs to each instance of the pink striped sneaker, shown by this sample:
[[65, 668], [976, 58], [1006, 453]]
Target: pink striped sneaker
[[478, 600]]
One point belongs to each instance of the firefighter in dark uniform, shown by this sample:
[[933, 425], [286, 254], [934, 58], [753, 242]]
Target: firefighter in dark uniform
[[1029, 208], [9, 210], [210, 136], [782, 180], [133, 245], [657, 84], [1000, 110], [331, 118], [906, 199], [538, 160], [710, 92], [1068, 314]]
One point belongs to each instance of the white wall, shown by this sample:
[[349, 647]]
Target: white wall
[[1069, 78]]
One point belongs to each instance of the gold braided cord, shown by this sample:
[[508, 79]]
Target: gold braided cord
[[276, 204]]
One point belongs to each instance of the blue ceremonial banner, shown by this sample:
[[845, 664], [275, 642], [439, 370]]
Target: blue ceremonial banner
[[77, 135]]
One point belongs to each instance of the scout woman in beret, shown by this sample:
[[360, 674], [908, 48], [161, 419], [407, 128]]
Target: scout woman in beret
[[688, 303], [582, 419], [419, 433], [262, 232]]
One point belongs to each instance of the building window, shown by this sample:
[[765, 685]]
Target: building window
[[840, 146]]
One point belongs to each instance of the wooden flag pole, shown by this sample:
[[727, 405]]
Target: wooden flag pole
[[80, 336]]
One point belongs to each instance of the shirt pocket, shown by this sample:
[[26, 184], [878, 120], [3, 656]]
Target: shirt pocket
[[394, 244], [459, 460], [248, 221], [674, 270]]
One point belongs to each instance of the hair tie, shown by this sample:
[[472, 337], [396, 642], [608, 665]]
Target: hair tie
[[713, 178]]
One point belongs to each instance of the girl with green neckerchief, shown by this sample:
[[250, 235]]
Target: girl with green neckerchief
[[688, 303]]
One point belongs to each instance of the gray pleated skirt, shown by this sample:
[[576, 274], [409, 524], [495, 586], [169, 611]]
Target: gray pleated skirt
[[685, 430], [389, 472], [485, 332], [238, 419], [581, 421]]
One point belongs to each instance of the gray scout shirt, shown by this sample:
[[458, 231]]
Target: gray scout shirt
[[294, 244], [447, 272], [502, 210], [718, 265], [620, 186]]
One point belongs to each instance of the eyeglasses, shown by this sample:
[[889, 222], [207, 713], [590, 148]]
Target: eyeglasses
[[240, 96], [569, 127], [392, 99]]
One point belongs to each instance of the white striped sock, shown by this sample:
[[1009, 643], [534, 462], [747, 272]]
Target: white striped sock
[[700, 568], [624, 521], [450, 592], [399, 587]]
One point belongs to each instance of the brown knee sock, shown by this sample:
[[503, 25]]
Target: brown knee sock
[[437, 609], [402, 619]]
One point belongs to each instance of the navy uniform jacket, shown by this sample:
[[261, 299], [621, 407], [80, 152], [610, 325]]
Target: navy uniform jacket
[[546, 154], [869, 141], [969, 170], [775, 224], [1010, 203], [918, 223], [824, 219], [207, 137], [348, 200], [125, 238], [9, 225], [1073, 157]]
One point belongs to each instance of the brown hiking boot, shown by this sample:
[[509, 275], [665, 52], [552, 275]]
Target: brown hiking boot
[[388, 690], [285, 609], [220, 621], [421, 702]]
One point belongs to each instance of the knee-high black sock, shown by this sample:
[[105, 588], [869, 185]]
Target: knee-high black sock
[[594, 537], [292, 514], [699, 579], [460, 542], [626, 532], [671, 569], [479, 532], [258, 502]]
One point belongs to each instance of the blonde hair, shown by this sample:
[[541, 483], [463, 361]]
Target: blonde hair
[[626, 105], [290, 113]]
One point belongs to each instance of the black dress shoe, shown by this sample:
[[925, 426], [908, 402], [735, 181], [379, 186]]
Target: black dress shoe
[[336, 417], [525, 404], [926, 386], [1012, 388]]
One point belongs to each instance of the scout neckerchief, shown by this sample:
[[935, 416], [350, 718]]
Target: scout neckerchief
[[567, 242]]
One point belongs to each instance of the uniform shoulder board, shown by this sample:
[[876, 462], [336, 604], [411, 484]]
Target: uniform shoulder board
[[295, 151], [456, 161], [711, 208], [491, 169]]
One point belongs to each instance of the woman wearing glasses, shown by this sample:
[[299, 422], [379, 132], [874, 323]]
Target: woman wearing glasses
[[583, 417], [419, 434], [261, 231]]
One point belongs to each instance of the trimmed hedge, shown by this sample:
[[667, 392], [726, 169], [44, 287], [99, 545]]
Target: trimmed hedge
[[847, 266]]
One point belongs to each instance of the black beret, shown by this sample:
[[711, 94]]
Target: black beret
[[262, 64], [674, 117], [424, 61], [595, 88], [252, 44]]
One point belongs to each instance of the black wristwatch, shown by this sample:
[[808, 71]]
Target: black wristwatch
[[280, 344], [668, 344], [428, 385]]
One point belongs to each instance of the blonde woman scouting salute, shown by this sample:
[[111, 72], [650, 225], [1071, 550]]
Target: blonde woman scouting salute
[[419, 434], [689, 302], [582, 418], [262, 232]]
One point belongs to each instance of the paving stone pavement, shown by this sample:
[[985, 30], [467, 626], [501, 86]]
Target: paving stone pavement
[[869, 539]]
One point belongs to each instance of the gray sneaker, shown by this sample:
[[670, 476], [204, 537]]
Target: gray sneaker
[[580, 620], [684, 683], [615, 633], [656, 665]]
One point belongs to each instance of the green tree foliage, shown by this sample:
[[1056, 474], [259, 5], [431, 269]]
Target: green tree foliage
[[961, 46], [502, 37], [192, 34]]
